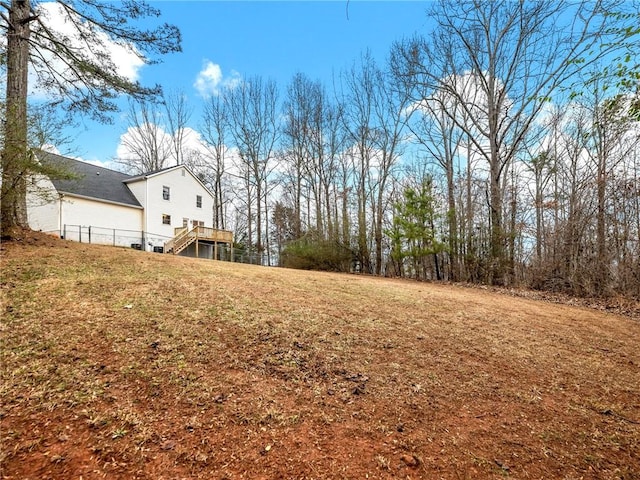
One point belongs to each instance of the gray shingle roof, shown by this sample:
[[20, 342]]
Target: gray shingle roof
[[93, 181]]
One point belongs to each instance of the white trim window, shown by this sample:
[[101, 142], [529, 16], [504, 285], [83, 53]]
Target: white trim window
[[166, 219], [198, 201], [166, 193]]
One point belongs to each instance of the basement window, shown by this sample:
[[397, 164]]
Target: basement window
[[166, 193], [199, 201], [166, 219]]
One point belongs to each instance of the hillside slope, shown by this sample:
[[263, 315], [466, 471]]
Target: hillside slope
[[122, 364]]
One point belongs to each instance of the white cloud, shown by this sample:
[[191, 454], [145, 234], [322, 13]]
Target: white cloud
[[100, 163], [210, 80], [136, 141], [47, 147]]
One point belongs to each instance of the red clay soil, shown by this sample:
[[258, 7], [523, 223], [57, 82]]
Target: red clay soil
[[120, 364]]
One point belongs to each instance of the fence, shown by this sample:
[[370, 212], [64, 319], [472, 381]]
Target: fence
[[141, 240], [254, 258], [137, 239]]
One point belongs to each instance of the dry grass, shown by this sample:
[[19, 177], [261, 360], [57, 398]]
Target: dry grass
[[123, 364]]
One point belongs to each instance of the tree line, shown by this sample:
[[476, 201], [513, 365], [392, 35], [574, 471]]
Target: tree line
[[501, 147], [492, 150]]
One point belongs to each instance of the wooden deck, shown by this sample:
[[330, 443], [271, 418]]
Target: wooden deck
[[185, 237]]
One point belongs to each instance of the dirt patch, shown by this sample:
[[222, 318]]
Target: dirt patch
[[122, 364]]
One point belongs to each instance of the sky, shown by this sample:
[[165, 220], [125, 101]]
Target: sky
[[225, 41]]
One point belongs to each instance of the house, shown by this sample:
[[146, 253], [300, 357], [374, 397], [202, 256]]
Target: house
[[167, 210]]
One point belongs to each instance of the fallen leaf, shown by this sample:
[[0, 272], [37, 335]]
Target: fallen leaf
[[410, 460], [168, 445]]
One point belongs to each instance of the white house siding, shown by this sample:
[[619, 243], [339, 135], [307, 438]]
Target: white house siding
[[139, 191], [43, 206], [183, 189], [111, 224]]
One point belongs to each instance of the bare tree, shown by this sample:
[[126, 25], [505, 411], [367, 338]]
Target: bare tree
[[392, 99], [358, 98], [585, 198], [148, 145], [300, 107], [46, 127], [251, 107], [178, 115], [517, 54], [606, 150], [214, 132], [333, 141]]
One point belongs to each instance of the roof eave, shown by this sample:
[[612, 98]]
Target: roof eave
[[101, 200], [169, 169]]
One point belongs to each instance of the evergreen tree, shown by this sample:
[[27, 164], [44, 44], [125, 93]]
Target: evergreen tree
[[413, 232], [75, 69]]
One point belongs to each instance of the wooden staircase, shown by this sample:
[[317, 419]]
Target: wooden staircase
[[182, 240], [185, 237]]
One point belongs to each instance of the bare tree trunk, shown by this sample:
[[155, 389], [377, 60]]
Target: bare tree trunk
[[358, 97], [452, 222], [249, 242], [363, 246], [513, 214], [601, 279], [15, 156], [266, 226], [178, 115], [346, 224], [214, 133], [497, 232], [471, 254], [257, 176]]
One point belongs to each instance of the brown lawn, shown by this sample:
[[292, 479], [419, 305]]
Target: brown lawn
[[119, 364]]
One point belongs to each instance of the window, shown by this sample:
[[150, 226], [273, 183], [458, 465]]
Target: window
[[199, 201], [166, 219], [166, 193], [197, 223], [185, 222]]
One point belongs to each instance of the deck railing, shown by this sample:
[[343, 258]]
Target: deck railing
[[185, 237]]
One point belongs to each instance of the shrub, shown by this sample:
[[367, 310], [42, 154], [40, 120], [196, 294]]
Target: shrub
[[309, 253]]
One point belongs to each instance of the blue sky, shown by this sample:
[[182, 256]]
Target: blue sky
[[270, 39]]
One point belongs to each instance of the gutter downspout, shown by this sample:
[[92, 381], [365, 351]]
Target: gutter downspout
[[60, 232], [145, 223]]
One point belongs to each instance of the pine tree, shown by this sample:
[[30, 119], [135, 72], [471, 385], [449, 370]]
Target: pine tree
[[414, 231], [75, 70]]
